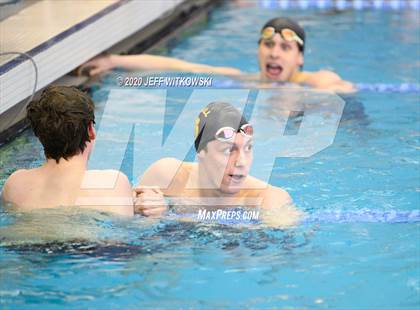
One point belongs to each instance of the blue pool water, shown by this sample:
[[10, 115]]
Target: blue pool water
[[358, 249]]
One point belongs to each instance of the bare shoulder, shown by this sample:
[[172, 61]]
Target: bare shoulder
[[106, 180], [106, 190], [166, 163], [161, 172], [104, 173], [328, 80], [273, 196], [279, 210], [322, 77], [277, 195], [253, 182], [17, 176], [327, 74], [15, 184]]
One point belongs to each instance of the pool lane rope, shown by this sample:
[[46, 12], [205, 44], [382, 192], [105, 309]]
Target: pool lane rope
[[341, 4], [325, 217], [389, 88], [365, 216], [363, 87]]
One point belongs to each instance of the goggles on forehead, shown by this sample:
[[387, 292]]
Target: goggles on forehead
[[286, 33], [227, 133]]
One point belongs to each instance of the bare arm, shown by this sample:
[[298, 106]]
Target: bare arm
[[116, 199], [8, 195], [328, 80], [278, 208], [161, 173], [150, 191], [123, 189], [144, 62]]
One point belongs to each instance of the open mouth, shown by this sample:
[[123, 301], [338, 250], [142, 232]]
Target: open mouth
[[236, 178], [273, 70]]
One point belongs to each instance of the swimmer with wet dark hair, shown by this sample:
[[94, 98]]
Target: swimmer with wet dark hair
[[220, 178], [63, 120], [280, 55]]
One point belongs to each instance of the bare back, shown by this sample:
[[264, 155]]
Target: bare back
[[37, 188]]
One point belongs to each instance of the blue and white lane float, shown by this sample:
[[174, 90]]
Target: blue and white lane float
[[365, 216], [362, 87], [324, 217], [341, 4], [389, 88]]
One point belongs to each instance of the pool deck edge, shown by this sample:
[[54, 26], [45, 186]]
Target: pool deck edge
[[72, 47]]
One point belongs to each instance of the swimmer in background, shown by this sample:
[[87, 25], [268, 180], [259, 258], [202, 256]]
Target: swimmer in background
[[220, 178], [63, 120], [280, 55]]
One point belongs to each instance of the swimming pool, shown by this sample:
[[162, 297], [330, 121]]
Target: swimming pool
[[351, 253]]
